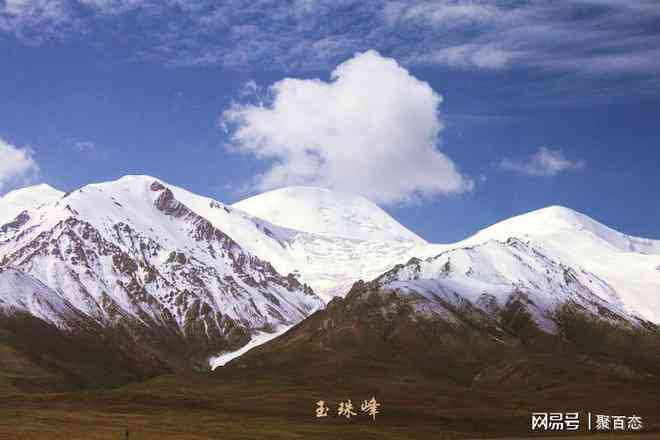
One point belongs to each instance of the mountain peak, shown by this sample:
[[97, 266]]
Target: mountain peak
[[560, 213], [41, 189], [137, 178], [327, 212], [557, 210], [128, 179], [545, 221], [23, 199]]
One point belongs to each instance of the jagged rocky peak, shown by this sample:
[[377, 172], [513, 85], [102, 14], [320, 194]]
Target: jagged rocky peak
[[139, 254], [157, 186]]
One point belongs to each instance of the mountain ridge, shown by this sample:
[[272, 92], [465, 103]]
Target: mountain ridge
[[129, 254], [628, 263], [166, 265], [330, 264]]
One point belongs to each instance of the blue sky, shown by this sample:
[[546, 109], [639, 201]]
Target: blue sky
[[451, 114]]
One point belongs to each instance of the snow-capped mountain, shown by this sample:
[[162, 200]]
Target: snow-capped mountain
[[143, 255], [629, 265], [15, 202], [330, 262], [325, 212], [334, 239], [514, 306], [491, 275], [131, 253]]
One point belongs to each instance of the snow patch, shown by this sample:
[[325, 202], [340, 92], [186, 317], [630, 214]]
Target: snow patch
[[258, 339]]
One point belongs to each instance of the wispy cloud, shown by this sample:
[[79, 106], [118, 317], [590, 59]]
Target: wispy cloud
[[589, 37], [34, 21], [470, 56], [83, 146], [544, 163]]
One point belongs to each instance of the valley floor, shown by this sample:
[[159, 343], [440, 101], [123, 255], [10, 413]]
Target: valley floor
[[251, 406]]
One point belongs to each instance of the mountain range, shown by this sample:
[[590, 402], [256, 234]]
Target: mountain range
[[159, 279]]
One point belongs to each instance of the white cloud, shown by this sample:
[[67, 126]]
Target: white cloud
[[83, 146], [35, 21], [372, 129], [544, 163], [16, 165], [586, 36], [15, 7], [470, 56], [595, 38], [449, 13]]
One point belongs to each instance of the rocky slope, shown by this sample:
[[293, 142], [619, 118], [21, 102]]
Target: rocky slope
[[332, 261], [19, 292], [492, 275], [186, 277], [129, 254], [630, 265], [414, 326], [47, 344]]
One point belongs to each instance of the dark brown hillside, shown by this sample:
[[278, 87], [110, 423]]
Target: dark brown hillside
[[462, 371], [391, 332], [461, 377], [39, 357]]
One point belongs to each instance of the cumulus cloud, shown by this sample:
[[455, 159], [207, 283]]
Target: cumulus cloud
[[544, 163], [16, 165], [372, 129]]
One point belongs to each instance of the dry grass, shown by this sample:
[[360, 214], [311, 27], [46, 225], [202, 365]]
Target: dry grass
[[251, 406]]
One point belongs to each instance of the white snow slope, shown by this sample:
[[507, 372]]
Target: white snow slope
[[334, 239], [15, 202], [21, 292], [630, 266], [257, 339], [491, 274], [325, 212]]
